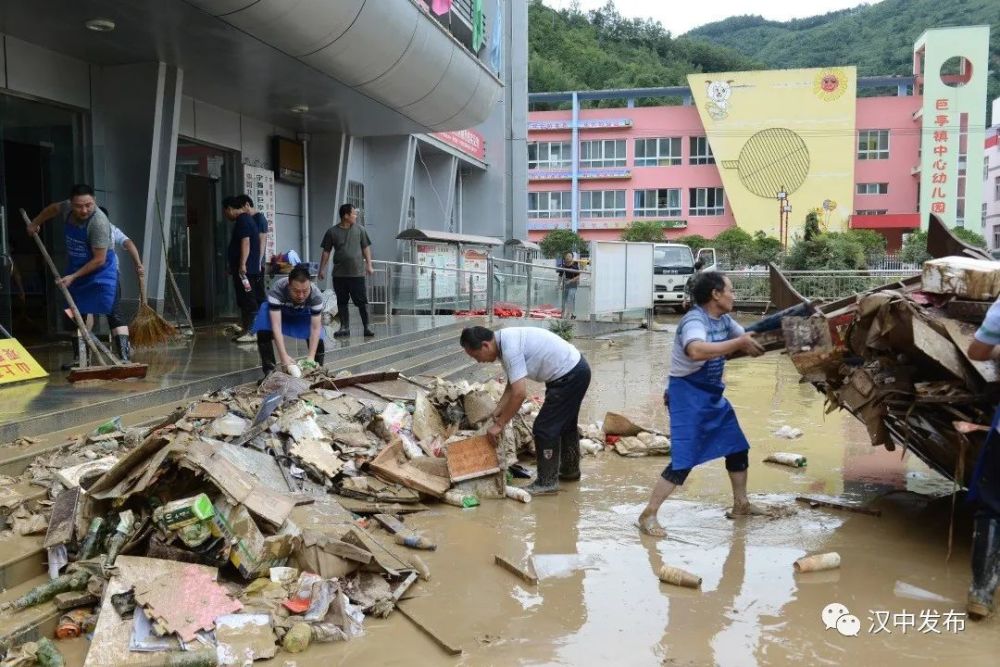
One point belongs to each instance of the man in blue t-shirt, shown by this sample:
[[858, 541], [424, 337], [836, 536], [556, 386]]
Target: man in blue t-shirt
[[244, 263]]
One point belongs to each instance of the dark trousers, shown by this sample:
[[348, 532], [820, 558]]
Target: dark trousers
[[561, 410], [116, 318], [265, 348], [351, 289], [249, 302]]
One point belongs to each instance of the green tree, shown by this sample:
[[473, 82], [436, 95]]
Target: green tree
[[735, 245], [830, 252], [765, 249], [874, 244], [643, 230], [694, 241], [811, 230], [558, 242], [915, 247]]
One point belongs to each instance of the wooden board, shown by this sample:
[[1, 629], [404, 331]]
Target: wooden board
[[524, 575], [392, 464], [352, 380], [123, 372], [472, 458]]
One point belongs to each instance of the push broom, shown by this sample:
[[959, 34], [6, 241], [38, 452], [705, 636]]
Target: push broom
[[115, 368], [148, 328]]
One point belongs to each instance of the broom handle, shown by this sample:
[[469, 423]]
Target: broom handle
[[69, 299], [142, 290], [166, 263]]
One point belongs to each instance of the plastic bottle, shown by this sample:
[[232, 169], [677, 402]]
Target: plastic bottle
[[517, 493], [787, 459], [126, 521], [679, 577], [246, 283], [415, 541], [89, 545], [459, 498], [818, 563]]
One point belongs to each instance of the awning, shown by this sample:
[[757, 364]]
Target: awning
[[446, 237], [888, 221], [519, 243]]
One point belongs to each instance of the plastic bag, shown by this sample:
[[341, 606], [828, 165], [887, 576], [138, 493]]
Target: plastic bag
[[329, 306], [286, 385]]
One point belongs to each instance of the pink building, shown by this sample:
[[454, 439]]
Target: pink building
[[991, 182], [655, 163]]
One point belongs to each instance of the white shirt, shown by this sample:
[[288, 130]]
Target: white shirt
[[535, 353], [118, 237]]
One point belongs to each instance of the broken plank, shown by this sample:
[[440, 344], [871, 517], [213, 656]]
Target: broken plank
[[392, 464], [348, 551], [523, 574], [368, 507], [443, 643], [848, 507], [391, 523], [411, 579], [351, 380]]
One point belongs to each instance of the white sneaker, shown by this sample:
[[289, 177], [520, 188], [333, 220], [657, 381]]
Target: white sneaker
[[246, 338]]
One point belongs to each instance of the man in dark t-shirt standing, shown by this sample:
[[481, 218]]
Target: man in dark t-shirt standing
[[244, 264], [352, 259]]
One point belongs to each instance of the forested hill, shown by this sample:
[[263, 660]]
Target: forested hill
[[575, 50]]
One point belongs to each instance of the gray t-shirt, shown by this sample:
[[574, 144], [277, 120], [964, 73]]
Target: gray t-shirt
[[99, 230], [698, 325], [347, 244], [278, 298], [536, 354]]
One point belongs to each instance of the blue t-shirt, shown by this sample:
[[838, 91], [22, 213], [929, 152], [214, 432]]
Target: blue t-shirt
[[245, 227], [698, 325], [989, 332]]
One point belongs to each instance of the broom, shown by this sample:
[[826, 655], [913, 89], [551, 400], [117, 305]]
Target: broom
[[148, 328]]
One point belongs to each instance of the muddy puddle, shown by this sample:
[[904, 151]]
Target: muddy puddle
[[603, 603]]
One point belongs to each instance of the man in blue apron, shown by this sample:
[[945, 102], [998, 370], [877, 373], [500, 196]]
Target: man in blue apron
[[703, 425], [985, 488], [92, 266], [540, 355], [293, 309]]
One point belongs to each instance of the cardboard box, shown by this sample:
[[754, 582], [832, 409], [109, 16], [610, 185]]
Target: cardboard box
[[251, 552], [976, 279]]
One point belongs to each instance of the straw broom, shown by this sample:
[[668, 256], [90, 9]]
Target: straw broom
[[148, 328]]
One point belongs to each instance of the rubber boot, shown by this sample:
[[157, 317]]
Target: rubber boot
[[124, 347], [345, 325], [70, 365], [547, 478], [985, 566], [363, 310], [569, 456]]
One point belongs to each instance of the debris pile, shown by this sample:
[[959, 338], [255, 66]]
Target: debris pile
[[512, 310], [260, 519], [619, 433], [897, 359]]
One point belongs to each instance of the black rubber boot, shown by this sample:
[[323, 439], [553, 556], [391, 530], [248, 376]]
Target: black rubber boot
[[70, 365], [985, 566], [124, 347], [569, 456], [547, 476], [345, 325]]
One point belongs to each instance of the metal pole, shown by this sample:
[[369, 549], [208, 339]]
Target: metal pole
[[489, 288], [388, 293], [527, 304], [433, 295], [471, 305]]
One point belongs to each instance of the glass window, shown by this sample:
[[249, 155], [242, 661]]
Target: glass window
[[701, 152], [657, 203], [660, 152], [549, 155], [873, 145], [602, 204], [672, 256], [873, 188], [602, 153], [706, 201], [549, 204], [356, 197]]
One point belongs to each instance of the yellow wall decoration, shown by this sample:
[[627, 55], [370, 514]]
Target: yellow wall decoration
[[782, 129]]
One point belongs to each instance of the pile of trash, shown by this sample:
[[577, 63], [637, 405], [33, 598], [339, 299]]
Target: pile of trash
[[628, 439], [261, 518], [511, 310], [897, 359]]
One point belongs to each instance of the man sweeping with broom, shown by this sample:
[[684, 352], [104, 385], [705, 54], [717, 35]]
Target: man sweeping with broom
[[92, 265]]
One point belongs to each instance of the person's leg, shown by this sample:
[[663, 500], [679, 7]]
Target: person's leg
[[985, 564], [547, 430], [669, 480], [562, 304], [359, 295], [342, 289], [737, 465], [265, 348], [247, 304], [569, 454], [119, 327], [320, 352], [571, 303]]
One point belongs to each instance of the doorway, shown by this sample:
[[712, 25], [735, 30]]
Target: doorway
[[198, 230], [42, 156]]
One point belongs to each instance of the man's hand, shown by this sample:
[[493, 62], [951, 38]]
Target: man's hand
[[369, 269], [749, 346], [286, 360], [494, 431], [243, 269], [33, 228], [66, 281], [140, 270]]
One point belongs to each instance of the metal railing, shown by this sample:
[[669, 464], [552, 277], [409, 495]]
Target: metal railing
[[754, 286]]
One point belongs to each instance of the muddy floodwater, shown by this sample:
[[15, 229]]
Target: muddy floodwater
[[601, 602]]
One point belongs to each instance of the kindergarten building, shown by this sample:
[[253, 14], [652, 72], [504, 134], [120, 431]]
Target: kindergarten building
[[761, 149]]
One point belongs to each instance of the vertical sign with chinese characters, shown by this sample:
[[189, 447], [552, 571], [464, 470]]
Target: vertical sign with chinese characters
[[258, 183], [940, 190]]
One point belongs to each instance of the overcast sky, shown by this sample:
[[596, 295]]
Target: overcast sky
[[682, 15]]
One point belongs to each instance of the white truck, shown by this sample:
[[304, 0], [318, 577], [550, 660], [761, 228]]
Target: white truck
[[673, 264]]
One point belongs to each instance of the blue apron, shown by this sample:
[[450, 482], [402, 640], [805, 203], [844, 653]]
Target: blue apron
[[985, 485], [703, 424], [295, 322], [93, 293]]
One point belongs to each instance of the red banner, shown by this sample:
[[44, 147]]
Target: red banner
[[469, 142]]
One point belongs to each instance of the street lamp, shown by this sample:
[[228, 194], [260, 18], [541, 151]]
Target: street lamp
[[786, 209], [782, 197]]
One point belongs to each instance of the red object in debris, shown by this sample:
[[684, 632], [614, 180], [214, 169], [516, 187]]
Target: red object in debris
[[297, 605], [612, 439]]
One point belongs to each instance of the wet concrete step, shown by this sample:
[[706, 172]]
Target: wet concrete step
[[394, 356], [21, 558], [31, 624], [433, 362]]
